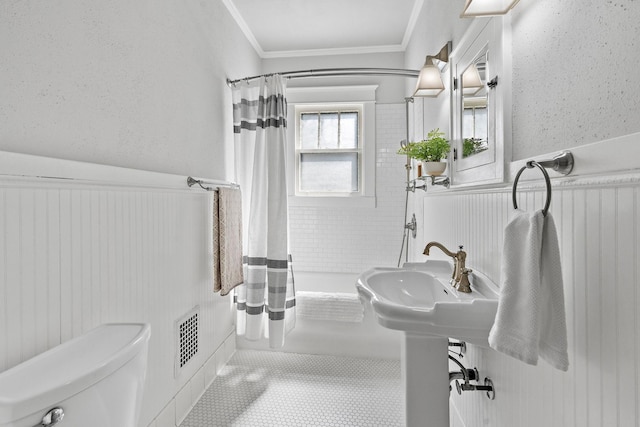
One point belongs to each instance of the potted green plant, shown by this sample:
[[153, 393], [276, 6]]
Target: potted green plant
[[430, 151]]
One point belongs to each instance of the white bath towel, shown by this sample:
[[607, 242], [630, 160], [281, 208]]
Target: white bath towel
[[530, 321], [553, 326], [335, 306]]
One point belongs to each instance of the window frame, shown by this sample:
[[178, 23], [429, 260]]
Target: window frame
[[299, 151], [473, 109], [336, 95]]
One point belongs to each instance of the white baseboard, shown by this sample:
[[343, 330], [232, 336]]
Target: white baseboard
[[175, 412]]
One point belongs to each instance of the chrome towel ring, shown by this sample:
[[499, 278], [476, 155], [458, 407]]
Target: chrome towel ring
[[562, 163], [530, 164]]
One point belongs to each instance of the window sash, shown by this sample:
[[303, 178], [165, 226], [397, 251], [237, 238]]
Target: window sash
[[318, 134], [352, 179], [335, 172]]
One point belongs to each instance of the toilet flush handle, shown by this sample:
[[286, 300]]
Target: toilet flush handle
[[51, 418]]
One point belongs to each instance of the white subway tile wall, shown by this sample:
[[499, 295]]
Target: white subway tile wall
[[353, 239]]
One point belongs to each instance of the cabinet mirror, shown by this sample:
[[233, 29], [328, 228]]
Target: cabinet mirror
[[477, 106], [475, 120]]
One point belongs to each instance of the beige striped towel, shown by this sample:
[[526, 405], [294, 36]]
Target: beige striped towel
[[227, 240]]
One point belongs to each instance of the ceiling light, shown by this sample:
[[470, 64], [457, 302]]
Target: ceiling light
[[487, 7]]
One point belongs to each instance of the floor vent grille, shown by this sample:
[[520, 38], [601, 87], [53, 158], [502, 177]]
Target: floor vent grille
[[187, 338]]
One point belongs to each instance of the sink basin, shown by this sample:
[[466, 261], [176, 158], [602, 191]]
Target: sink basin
[[418, 298]]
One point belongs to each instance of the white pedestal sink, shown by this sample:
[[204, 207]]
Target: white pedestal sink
[[419, 300]]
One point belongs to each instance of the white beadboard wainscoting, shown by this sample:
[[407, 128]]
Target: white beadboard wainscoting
[[599, 234], [76, 253]]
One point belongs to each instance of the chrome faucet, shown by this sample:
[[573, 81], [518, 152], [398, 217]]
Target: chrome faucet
[[460, 276]]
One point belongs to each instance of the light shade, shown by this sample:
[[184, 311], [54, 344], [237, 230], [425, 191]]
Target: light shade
[[487, 7], [430, 82], [471, 81]]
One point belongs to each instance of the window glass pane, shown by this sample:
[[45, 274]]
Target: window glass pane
[[468, 123], [349, 130], [329, 130], [309, 130], [329, 172], [481, 124]]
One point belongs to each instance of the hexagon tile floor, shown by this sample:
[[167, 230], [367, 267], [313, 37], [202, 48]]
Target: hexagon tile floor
[[260, 388]]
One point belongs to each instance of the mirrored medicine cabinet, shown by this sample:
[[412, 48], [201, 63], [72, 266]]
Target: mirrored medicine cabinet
[[480, 105]]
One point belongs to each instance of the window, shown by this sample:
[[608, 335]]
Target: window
[[475, 130], [329, 150], [331, 146], [475, 123]]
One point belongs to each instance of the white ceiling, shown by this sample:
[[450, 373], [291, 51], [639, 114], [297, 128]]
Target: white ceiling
[[286, 28]]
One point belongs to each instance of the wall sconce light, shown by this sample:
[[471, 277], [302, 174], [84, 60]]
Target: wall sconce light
[[471, 81], [430, 82], [487, 7]]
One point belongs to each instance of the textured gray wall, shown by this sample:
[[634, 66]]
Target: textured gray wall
[[128, 83], [574, 70], [575, 73]]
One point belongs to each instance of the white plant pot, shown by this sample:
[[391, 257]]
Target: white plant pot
[[434, 168]]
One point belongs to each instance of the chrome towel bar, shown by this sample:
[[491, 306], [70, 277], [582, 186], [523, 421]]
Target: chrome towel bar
[[216, 184]]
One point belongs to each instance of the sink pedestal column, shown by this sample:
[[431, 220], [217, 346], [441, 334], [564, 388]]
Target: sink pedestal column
[[425, 375]]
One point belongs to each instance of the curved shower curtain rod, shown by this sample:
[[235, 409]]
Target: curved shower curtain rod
[[334, 72]]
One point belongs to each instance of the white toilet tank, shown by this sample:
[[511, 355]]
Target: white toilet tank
[[96, 379]]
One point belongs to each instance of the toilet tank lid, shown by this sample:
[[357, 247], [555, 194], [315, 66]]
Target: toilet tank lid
[[69, 368]]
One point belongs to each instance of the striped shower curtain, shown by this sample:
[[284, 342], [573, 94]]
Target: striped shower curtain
[[259, 127]]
